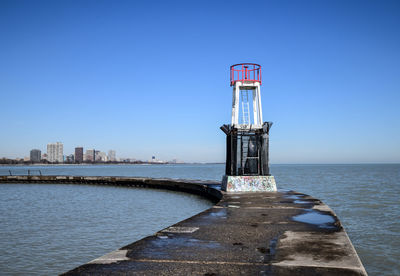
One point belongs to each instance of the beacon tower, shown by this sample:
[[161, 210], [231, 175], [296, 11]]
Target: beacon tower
[[247, 137]]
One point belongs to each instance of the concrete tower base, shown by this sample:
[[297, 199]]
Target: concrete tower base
[[251, 183]]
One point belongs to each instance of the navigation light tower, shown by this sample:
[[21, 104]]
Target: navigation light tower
[[247, 137]]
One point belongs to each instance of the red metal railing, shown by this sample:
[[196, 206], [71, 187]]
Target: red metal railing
[[245, 72]]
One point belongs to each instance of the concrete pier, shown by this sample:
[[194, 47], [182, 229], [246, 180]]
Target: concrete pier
[[262, 233]]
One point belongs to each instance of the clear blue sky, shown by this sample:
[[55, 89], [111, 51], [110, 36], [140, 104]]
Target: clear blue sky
[[152, 77]]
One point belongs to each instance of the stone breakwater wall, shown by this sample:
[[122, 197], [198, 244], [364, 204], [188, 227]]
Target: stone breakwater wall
[[203, 188], [246, 233]]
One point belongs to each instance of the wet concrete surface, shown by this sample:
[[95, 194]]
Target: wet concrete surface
[[244, 234]]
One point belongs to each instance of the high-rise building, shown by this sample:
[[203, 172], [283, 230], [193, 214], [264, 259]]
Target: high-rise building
[[78, 155], [55, 152], [101, 156], [96, 155], [111, 156], [90, 155], [70, 158], [35, 155]]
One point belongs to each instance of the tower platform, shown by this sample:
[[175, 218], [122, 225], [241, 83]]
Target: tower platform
[[250, 183]]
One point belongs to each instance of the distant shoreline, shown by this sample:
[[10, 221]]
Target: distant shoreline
[[194, 163], [101, 164]]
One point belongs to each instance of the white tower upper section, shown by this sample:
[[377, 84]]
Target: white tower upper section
[[246, 97]]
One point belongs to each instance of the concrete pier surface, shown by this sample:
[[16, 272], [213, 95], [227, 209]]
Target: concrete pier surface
[[254, 233]]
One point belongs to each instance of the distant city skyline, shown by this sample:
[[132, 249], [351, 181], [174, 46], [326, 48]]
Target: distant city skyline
[[55, 153], [152, 78]]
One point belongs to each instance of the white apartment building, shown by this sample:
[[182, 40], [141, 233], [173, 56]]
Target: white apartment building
[[101, 156], [111, 156], [55, 152]]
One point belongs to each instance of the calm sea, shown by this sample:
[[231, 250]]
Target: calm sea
[[49, 229]]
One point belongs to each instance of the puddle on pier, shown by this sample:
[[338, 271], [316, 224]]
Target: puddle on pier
[[316, 218], [301, 202], [217, 213], [172, 241], [270, 251], [297, 197], [272, 246]]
